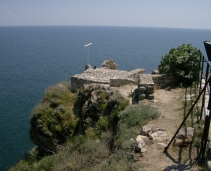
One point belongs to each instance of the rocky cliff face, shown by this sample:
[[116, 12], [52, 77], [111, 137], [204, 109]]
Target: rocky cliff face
[[52, 121], [58, 117], [96, 105]]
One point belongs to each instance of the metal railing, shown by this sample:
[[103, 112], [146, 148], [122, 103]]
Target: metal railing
[[203, 76]]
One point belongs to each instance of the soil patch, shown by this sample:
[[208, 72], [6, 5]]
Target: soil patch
[[172, 113]]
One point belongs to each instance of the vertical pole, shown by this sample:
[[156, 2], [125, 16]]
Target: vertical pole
[[138, 88], [207, 125], [204, 93], [201, 71], [88, 55], [166, 148]]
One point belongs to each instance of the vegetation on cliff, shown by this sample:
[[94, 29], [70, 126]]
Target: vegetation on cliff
[[94, 128], [52, 121], [182, 63], [89, 129]]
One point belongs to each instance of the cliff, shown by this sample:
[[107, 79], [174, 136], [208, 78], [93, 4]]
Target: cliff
[[88, 124]]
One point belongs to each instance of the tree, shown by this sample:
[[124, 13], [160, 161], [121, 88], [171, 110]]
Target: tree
[[182, 63]]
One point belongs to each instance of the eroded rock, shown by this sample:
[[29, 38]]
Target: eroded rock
[[110, 64]]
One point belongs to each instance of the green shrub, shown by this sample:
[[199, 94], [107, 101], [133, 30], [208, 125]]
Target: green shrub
[[91, 133], [102, 106], [102, 123], [183, 63], [103, 95], [138, 115], [78, 140], [132, 119], [53, 117], [59, 94]]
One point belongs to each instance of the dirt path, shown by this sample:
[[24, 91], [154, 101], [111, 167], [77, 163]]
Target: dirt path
[[171, 108]]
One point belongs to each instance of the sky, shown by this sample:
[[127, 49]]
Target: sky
[[139, 13]]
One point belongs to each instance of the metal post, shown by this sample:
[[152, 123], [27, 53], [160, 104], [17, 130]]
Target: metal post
[[205, 135], [204, 93], [166, 148], [201, 71], [87, 45]]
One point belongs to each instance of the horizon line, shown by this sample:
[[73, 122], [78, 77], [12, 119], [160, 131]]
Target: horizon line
[[105, 26]]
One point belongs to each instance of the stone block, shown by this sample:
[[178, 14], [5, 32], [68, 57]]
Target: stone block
[[150, 92], [142, 96], [182, 142], [143, 88], [155, 129], [155, 72], [151, 97], [150, 87], [163, 85], [146, 129], [167, 81], [159, 136], [185, 132]]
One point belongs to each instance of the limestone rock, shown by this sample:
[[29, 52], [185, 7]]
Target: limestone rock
[[143, 150], [151, 97], [160, 128], [182, 142], [141, 138], [185, 132], [154, 72], [161, 145], [184, 137], [109, 64], [146, 129], [159, 136]]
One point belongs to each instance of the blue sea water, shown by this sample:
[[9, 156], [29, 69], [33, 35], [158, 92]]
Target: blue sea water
[[33, 58]]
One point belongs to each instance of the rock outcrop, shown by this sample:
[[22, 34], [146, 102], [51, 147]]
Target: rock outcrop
[[53, 121], [96, 102], [110, 64]]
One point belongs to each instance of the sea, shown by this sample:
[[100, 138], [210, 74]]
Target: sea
[[35, 57]]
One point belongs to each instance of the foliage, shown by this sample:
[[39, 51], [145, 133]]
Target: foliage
[[53, 117], [103, 95], [183, 63], [131, 119], [89, 152]]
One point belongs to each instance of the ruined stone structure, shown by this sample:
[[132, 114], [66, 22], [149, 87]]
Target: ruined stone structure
[[146, 83], [114, 78], [162, 81]]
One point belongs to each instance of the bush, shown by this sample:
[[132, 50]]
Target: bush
[[183, 63], [131, 119], [53, 118]]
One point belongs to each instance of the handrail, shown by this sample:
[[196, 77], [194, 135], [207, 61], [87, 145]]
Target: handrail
[[165, 150], [202, 91]]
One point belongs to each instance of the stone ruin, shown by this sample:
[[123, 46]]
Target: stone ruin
[[108, 74], [151, 134]]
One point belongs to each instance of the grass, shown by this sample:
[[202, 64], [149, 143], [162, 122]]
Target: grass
[[91, 152], [131, 121]]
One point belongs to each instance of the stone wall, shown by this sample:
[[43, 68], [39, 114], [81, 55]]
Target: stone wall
[[163, 81], [114, 78], [145, 88], [146, 83]]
